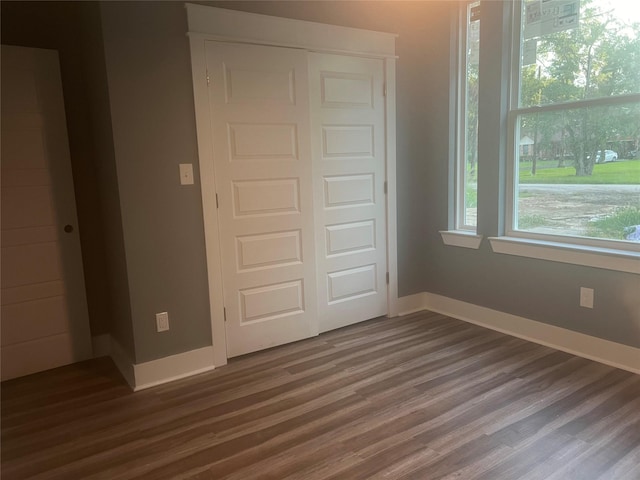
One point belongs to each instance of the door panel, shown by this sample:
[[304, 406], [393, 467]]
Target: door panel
[[26, 205], [260, 198], [44, 312], [349, 238], [269, 250], [349, 190], [349, 170], [31, 264], [37, 354], [341, 141], [38, 318], [261, 144]]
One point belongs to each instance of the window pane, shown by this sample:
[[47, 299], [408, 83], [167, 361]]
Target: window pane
[[578, 172], [579, 49], [470, 170]]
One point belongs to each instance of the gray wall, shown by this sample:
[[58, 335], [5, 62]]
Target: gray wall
[[154, 130], [117, 281], [157, 257], [151, 98]]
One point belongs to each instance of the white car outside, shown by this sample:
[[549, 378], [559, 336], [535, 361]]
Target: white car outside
[[609, 156]]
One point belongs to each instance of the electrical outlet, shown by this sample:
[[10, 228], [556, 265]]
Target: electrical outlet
[[162, 322], [586, 297]]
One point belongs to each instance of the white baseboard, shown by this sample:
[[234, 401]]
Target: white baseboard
[[597, 349], [410, 304], [173, 367], [156, 372]]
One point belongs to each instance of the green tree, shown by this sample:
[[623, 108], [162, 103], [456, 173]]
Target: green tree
[[598, 58]]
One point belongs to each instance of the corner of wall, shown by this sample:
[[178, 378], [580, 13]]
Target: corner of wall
[[123, 362], [121, 327], [156, 372], [173, 367]]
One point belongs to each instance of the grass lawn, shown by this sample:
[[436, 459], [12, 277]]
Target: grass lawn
[[612, 173], [614, 226]]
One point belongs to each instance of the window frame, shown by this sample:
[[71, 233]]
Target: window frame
[[597, 245], [459, 233], [460, 215]]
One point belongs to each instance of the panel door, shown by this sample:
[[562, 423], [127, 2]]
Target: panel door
[[44, 312], [348, 137], [260, 127]]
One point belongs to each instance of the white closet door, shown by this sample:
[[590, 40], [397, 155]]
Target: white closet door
[[260, 126], [348, 135]]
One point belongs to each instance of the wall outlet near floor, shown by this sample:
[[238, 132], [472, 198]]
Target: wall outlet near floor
[[162, 322], [586, 297]]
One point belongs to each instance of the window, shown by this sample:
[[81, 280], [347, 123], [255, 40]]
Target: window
[[575, 123], [467, 161], [465, 165]]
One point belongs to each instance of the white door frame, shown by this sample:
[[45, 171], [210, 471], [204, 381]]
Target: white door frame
[[217, 24]]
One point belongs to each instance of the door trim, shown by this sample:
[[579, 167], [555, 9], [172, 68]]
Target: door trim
[[241, 27], [216, 24]]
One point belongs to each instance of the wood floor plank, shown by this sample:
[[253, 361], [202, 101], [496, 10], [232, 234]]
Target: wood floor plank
[[418, 397]]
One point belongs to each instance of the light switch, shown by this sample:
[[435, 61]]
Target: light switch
[[186, 174]]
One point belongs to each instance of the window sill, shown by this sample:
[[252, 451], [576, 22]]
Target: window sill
[[607, 258], [461, 238]]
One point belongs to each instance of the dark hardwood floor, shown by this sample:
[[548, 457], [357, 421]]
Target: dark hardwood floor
[[419, 397]]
